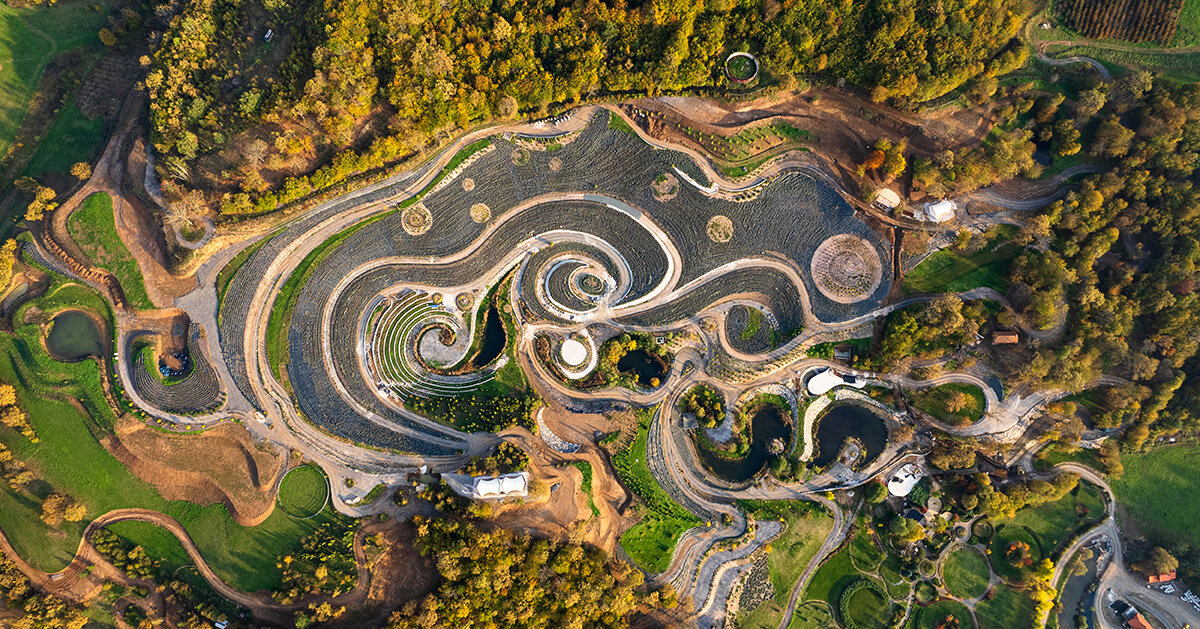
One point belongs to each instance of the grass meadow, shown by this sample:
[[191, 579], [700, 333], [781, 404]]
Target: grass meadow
[[93, 227]]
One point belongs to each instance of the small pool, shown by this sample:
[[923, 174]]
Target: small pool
[[494, 339], [767, 425], [844, 421], [644, 365], [74, 336]]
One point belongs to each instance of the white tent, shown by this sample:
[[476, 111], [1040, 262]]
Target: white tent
[[940, 211], [903, 482], [500, 486]]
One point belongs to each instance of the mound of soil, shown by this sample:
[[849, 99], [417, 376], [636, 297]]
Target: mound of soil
[[221, 465]]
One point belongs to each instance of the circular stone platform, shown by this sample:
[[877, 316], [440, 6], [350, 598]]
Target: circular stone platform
[[846, 268], [573, 353]]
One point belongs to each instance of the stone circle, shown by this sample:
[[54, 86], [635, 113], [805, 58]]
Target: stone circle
[[416, 220], [846, 268]]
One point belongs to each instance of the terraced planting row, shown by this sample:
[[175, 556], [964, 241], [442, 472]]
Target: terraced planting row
[[198, 392]]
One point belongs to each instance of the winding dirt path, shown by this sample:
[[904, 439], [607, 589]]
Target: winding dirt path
[[66, 582]]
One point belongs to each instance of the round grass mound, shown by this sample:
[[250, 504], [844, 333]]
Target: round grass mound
[[943, 614], [865, 605], [965, 572], [304, 491], [1013, 552]]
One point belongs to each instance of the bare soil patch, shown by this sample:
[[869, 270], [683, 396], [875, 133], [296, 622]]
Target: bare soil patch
[[720, 228], [666, 187], [221, 464]]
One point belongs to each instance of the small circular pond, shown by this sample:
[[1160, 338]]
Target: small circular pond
[[645, 366], [844, 421], [74, 336], [767, 425]]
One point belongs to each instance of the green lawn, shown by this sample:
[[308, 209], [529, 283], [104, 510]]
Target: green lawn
[[1007, 534], [867, 608], [831, 578], [1184, 68], [863, 551], [304, 491], [929, 617], [1046, 527], [26, 47], [1187, 30], [93, 227], [652, 540], [1054, 454], [73, 137], [69, 457], [585, 468], [935, 401], [807, 526], [948, 271], [965, 573], [1154, 492], [1006, 609]]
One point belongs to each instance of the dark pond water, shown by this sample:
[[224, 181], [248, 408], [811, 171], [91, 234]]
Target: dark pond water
[[494, 338], [768, 424], [644, 365], [849, 420], [73, 336]]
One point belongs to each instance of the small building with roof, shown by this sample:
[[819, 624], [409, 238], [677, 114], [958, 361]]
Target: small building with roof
[[1161, 578], [1005, 337], [887, 199]]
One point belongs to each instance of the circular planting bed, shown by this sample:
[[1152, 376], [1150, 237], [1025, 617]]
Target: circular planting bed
[[666, 187], [1014, 551], [846, 268], [555, 164], [741, 67], [304, 491], [865, 605], [965, 573], [468, 184], [943, 615], [720, 228], [982, 529], [480, 213], [520, 157], [417, 220]]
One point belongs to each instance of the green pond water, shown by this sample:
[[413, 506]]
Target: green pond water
[[74, 336]]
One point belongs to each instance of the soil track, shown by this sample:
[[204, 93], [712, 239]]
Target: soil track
[[566, 512], [80, 582], [233, 470]]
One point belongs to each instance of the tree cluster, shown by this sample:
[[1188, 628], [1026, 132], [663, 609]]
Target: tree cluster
[[415, 68], [324, 563], [1122, 264], [506, 459], [36, 611], [500, 578]]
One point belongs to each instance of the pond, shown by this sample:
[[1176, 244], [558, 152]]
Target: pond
[[494, 339], [644, 365], [74, 336], [768, 424], [849, 420]]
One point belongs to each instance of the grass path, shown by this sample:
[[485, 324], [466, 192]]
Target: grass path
[[30, 37]]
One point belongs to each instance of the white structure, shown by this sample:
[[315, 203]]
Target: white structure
[[940, 211], [826, 379], [501, 486], [573, 352], [905, 479], [887, 198], [489, 487]]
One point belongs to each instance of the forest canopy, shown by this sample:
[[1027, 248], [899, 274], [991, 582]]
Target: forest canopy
[[356, 84]]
